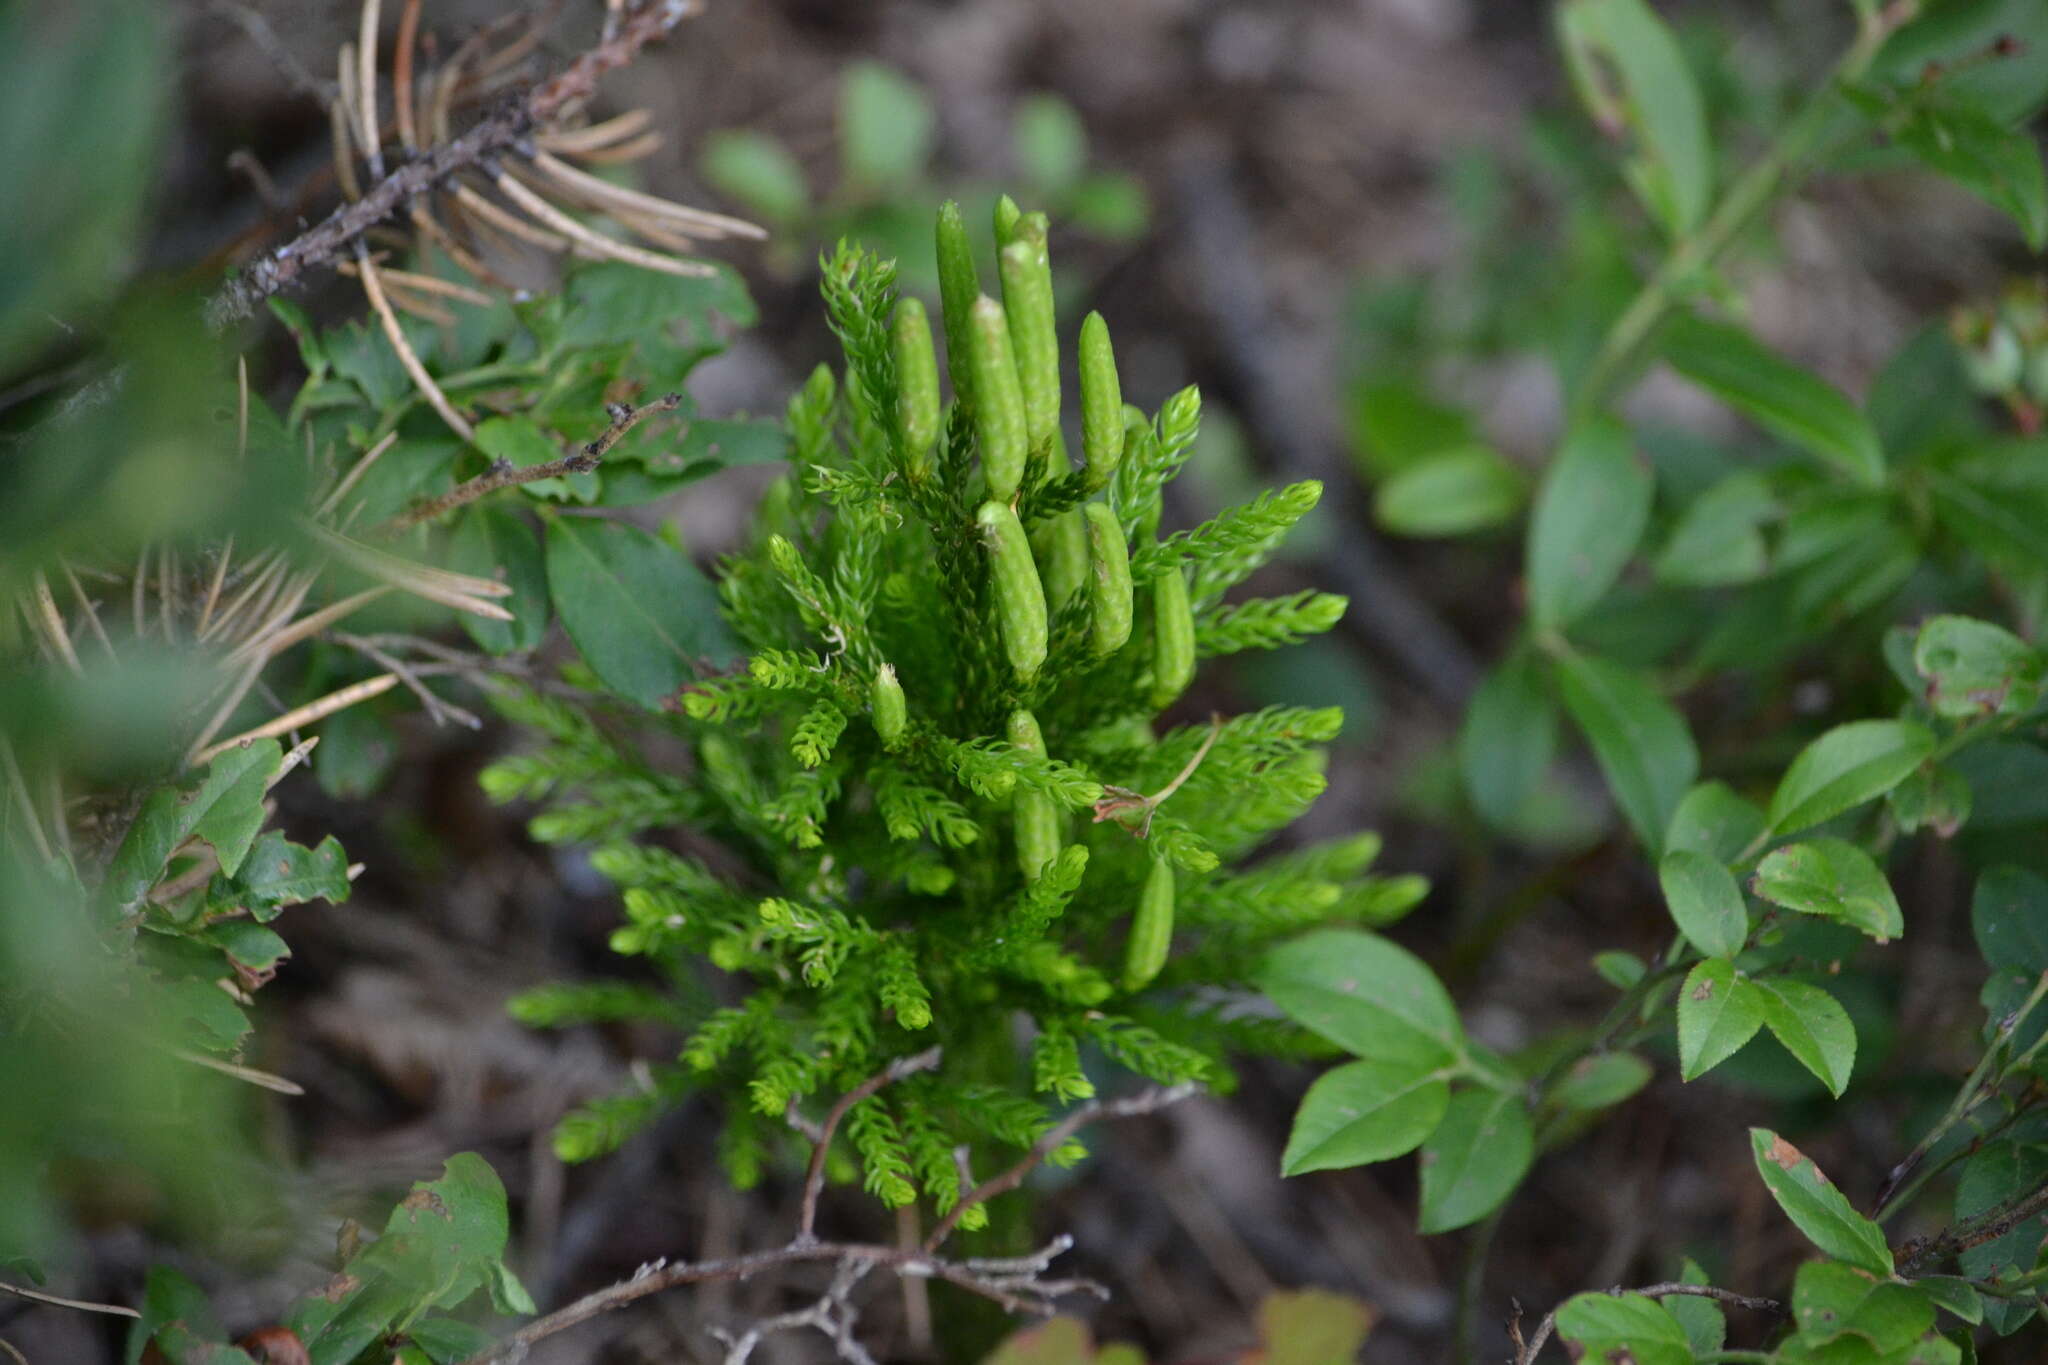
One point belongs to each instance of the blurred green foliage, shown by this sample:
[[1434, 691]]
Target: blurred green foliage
[[888, 132]]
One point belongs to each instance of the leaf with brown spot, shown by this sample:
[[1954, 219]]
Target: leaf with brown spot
[[1816, 1207]]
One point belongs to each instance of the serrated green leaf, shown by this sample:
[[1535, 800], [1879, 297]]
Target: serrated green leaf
[[1706, 1326], [1640, 740], [1973, 668], [1475, 1158], [1953, 1295], [224, 807], [1788, 401], [1705, 902], [1813, 1027], [1590, 513], [637, 608], [1831, 1300], [1718, 1011], [1370, 997], [1845, 767], [1713, 820], [1935, 797], [279, 873], [1363, 1112], [1815, 1206], [1834, 879], [1623, 1327]]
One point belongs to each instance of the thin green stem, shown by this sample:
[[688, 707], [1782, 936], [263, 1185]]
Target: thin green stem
[[1753, 192], [1983, 1081], [1472, 1285]]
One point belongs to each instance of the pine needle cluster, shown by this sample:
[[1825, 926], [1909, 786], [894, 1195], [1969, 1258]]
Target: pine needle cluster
[[938, 803]]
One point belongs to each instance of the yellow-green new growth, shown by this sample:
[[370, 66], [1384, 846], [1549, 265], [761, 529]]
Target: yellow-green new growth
[[1173, 636], [887, 707], [1020, 597], [1109, 580], [917, 387], [1026, 273], [1102, 402], [1151, 928], [1036, 817], [958, 288], [1061, 546], [998, 400]]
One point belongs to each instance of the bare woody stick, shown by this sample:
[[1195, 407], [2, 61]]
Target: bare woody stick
[[503, 474]]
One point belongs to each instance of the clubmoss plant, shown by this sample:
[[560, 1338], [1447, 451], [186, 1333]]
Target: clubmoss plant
[[944, 802]]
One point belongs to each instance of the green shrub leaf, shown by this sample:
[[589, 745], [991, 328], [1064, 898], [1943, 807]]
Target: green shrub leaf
[[756, 169], [1706, 904], [1974, 668], [1813, 1026], [1718, 1011], [1475, 1158], [1362, 1112], [1601, 1080], [1507, 739], [1999, 164], [1816, 1207], [1785, 400], [1834, 879], [1673, 170], [1713, 820], [1589, 516], [224, 808], [1623, 1327], [1450, 493], [490, 542], [1367, 995], [1719, 540], [1831, 1300], [2009, 915], [635, 606], [1640, 740], [1845, 767]]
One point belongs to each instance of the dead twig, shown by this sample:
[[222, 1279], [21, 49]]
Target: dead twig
[[58, 1301], [504, 474], [337, 700], [500, 132], [1017, 1283], [1988, 1226], [814, 1178], [373, 288]]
